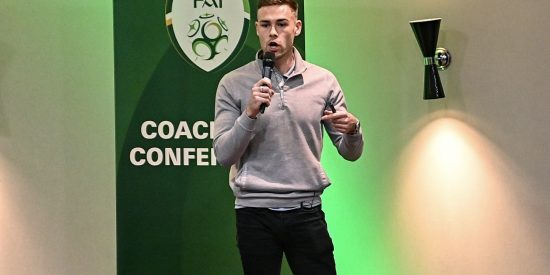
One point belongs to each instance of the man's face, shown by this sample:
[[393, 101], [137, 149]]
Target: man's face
[[276, 27]]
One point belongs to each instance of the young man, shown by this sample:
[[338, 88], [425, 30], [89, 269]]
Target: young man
[[276, 174]]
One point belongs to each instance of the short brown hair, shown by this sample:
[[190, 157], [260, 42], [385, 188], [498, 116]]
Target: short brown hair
[[291, 3]]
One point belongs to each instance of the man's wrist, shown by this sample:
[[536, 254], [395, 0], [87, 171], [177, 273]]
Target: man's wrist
[[251, 116]]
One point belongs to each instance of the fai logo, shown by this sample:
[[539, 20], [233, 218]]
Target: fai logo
[[207, 33]]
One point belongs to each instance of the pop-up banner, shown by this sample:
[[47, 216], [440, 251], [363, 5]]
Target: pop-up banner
[[174, 206]]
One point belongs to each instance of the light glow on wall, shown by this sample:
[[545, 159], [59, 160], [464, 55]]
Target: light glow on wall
[[456, 208], [17, 247]]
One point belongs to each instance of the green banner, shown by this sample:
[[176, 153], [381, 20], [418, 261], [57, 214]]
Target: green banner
[[174, 206]]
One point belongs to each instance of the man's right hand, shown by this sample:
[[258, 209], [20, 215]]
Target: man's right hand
[[260, 94]]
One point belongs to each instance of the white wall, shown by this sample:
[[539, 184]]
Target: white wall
[[57, 169], [454, 186]]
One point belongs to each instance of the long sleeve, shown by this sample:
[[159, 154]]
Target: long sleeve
[[275, 159], [233, 129], [350, 147]]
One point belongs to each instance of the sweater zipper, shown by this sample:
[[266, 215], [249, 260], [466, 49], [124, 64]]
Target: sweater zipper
[[282, 89]]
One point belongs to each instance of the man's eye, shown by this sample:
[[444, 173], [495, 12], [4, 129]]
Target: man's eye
[[282, 24], [264, 25]]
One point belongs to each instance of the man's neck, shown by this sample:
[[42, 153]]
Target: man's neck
[[284, 65]]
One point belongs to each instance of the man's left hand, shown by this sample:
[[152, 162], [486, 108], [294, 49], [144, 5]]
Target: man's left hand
[[342, 121]]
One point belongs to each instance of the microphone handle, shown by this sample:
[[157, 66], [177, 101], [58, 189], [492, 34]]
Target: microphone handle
[[266, 73], [262, 108]]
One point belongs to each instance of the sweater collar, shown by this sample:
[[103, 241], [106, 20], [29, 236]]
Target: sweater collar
[[299, 63]]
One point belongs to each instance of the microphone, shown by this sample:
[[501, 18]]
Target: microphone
[[268, 62]]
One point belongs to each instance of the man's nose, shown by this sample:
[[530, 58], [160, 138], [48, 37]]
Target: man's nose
[[273, 32]]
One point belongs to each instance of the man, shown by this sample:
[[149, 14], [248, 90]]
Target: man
[[276, 175]]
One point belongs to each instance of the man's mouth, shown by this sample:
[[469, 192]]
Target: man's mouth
[[272, 46]]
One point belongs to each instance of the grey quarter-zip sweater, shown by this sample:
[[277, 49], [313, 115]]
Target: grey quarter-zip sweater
[[275, 158]]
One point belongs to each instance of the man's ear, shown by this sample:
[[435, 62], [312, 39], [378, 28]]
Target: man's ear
[[256, 24], [298, 27]]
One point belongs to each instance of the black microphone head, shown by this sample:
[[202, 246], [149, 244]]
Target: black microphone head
[[269, 59]]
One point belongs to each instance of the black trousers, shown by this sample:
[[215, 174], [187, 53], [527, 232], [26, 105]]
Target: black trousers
[[263, 236]]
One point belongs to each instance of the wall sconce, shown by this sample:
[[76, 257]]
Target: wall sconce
[[427, 32]]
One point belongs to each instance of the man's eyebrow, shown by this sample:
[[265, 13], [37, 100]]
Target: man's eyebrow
[[278, 20]]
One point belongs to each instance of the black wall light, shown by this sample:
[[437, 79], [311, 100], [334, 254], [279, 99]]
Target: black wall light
[[427, 32]]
